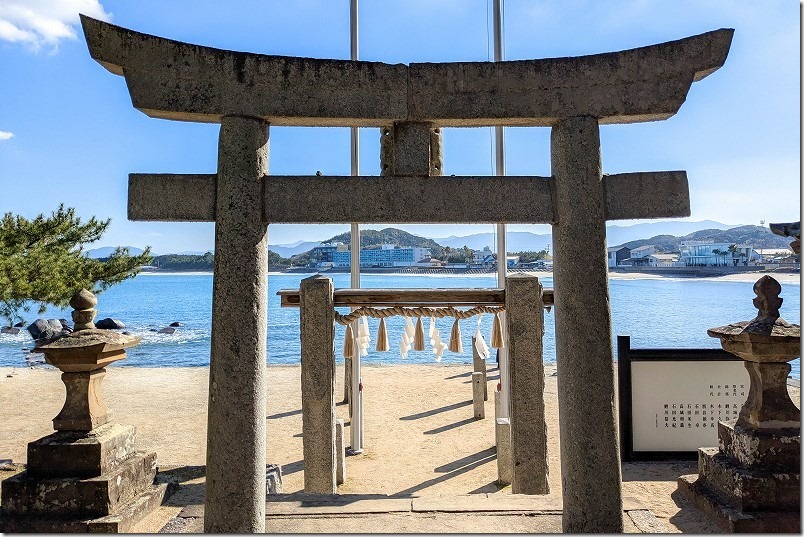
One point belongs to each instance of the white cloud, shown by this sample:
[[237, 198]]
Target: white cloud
[[5, 135], [38, 23]]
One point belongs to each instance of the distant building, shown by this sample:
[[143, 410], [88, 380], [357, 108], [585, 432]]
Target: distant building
[[664, 260], [710, 253], [618, 254], [324, 255], [431, 262], [388, 255], [642, 251]]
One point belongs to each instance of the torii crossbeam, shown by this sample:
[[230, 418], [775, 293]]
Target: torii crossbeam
[[246, 93]]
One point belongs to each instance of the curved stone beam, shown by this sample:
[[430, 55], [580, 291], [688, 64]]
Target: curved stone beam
[[173, 80]]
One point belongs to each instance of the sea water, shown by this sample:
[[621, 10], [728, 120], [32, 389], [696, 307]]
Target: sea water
[[656, 313]]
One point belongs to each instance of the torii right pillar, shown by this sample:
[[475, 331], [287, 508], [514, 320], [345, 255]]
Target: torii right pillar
[[590, 454]]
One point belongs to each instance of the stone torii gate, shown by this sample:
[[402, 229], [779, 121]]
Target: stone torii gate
[[246, 93]]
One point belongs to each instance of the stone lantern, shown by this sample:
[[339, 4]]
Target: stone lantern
[[751, 483], [88, 475]]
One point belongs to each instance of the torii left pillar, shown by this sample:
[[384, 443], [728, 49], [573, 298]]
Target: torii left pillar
[[235, 485]]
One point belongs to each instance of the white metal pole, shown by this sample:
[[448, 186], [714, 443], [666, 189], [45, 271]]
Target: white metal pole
[[499, 169], [356, 421]]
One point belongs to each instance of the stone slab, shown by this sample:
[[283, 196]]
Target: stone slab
[[748, 490], [769, 450], [646, 522], [733, 520], [340, 452], [91, 497], [127, 519], [488, 502], [502, 436], [79, 454], [162, 197], [646, 195], [336, 504]]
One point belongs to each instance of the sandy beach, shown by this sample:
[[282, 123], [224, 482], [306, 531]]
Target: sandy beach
[[420, 435]]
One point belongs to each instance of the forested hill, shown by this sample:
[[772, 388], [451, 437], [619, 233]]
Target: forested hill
[[372, 238], [756, 236]]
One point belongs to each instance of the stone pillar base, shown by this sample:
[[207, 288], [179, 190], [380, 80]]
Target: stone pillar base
[[93, 481], [734, 520]]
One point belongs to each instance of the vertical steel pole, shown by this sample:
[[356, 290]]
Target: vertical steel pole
[[499, 169], [356, 402]]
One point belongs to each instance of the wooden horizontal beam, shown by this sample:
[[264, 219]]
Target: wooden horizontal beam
[[436, 298]]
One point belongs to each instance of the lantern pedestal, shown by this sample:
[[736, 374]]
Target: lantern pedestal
[[751, 483]]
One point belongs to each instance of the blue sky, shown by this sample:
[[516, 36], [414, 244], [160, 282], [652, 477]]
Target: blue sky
[[68, 132]]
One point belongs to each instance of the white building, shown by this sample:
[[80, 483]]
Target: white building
[[664, 260], [642, 251], [710, 253]]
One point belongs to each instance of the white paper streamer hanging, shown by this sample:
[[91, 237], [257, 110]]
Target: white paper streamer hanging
[[435, 340], [363, 336], [480, 343], [407, 338]]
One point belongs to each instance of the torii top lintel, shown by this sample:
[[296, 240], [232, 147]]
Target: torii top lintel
[[180, 81]]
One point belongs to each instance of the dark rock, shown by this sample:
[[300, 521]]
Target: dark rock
[[126, 333], [66, 326], [109, 324], [45, 329], [9, 330], [167, 330], [176, 324], [19, 324]]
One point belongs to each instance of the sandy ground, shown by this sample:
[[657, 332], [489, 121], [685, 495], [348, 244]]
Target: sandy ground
[[420, 435]]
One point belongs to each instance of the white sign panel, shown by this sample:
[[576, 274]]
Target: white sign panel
[[676, 405]]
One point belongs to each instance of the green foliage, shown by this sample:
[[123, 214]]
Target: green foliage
[[389, 235], [206, 262], [529, 256], [42, 261]]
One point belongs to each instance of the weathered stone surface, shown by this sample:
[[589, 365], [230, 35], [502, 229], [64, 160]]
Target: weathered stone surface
[[411, 148], [162, 197], [477, 396], [236, 415], [769, 450], [174, 80], [318, 199], [340, 452], [11, 330], [646, 195], [110, 324], [407, 199], [524, 314], [84, 408], [91, 497], [479, 366], [734, 520], [45, 328], [748, 490], [317, 321], [80, 454], [590, 461], [502, 436]]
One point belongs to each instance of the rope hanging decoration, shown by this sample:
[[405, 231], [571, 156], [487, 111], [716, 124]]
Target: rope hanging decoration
[[414, 335]]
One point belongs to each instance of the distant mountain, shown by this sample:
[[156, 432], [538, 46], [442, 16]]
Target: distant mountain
[[516, 241], [522, 241], [288, 250], [617, 235], [756, 236], [106, 251]]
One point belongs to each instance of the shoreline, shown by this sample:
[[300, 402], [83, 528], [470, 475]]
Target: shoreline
[[741, 276]]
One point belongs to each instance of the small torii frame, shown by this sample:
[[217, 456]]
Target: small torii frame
[[247, 92]]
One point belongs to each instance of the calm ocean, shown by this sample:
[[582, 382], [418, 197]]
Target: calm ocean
[[666, 312]]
